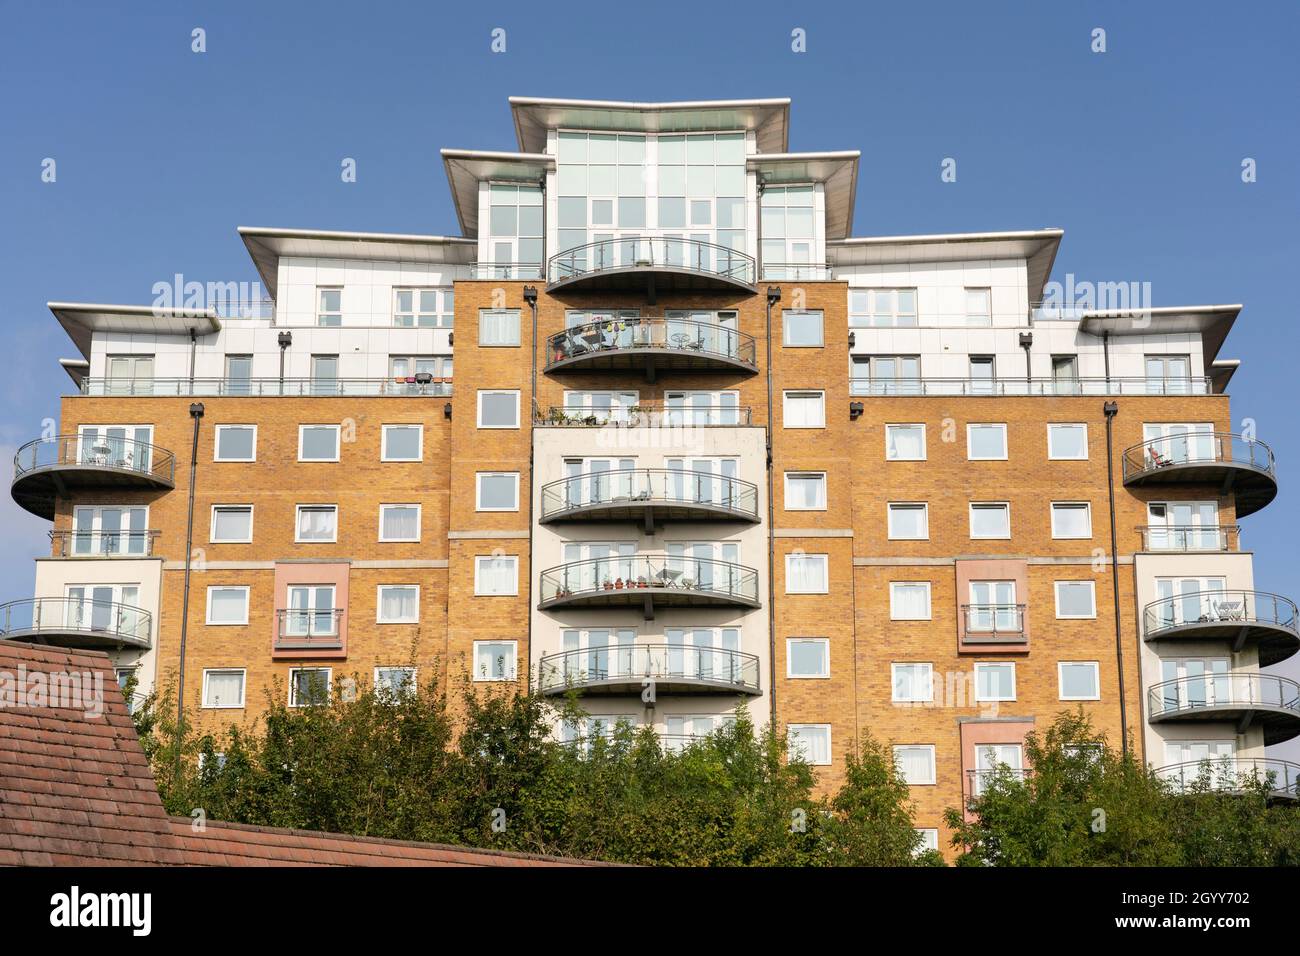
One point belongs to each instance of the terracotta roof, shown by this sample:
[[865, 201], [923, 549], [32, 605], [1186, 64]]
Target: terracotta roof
[[76, 789]]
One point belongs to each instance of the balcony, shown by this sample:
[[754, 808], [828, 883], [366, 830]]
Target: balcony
[[651, 264], [646, 415], [649, 581], [1021, 386], [796, 272], [76, 622], [993, 624], [1281, 778], [103, 544], [1266, 620], [647, 495], [56, 467], [308, 630], [1189, 538], [1239, 466], [651, 344], [977, 781], [674, 669], [507, 271], [1247, 700], [419, 385]]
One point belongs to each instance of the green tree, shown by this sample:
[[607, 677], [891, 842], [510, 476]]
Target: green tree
[[870, 822]]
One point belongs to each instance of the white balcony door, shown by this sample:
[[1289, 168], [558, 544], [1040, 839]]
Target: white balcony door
[[109, 530], [705, 480], [1180, 443], [993, 606], [598, 653], [104, 607], [990, 756], [603, 406], [601, 561], [703, 408], [1189, 600], [1199, 682], [311, 610], [1185, 757], [1184, 525], [698, 564], [116, 446], [1168, 375], [590, 480]]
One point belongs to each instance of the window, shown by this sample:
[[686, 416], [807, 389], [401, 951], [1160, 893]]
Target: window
[[515, 229], [803, 410], [1185, 526], [788, 225], [228, 605], [425, 308], [231, 524], [982, 377], [329, 309], [807, 657], [805, 491], [497, 491], [124, 675], [309, 686], [395, 681], [882, 308], [909, 600], [912, 683], [402, 443], [915, 763], [408, 373], [1065, 374], [993, 608], [239, 374], [495, 660], [1079, 680], [235, 443], [496, 575], [1071, 519], [311, 612], [986, 442], [397, 604], [318, 442], [995, 681], [107, 530], [498, 327], [498, 409], [990, 519], [399, 522], [909, 521], [979, 307], [990, 757], [223, 688], [929, 839], [885, 375], [802, 329], [809, 742], [129, 375], [1076, 599], [1067, 442], [1169, 375], [805, 573], [317, 523], [325, 375], [905, 443]]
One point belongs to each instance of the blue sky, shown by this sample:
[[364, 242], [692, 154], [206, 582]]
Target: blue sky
[[1135, 152]]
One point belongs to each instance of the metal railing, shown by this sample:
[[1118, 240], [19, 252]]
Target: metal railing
[[980, 779], [651, 252], [637, 662], [506, 271], [1227, 607], [634, 572], [1030, 386], [265, 387], [1215, 691], [109, 620], [121, 454], [1197, 448], [1233, 774], [305, 628], [1049, 311], [671, 334], [993, 623], [1189, 537], [101, 544], [796, 271], [244, 309], [650, 486], [646, 414]]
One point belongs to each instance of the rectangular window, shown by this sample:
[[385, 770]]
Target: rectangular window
[[912, 683], [882, 308], [990, 519], [231, 524], [497, 491], [802, 329], [1079, 680], [129, 375], [498, 327], [402, 443], [909, 521], [423, 308], [805, 574], [905, 443], [317, 523], [982, 377], [986, 442], [496, 575], [929, 839], [239, 374], [909, 600], [1076, 599], [235, 443], [807, 657], [495, 660], [1067, 442], [395, 681], [318, 442], [885, 375], [309, 686], [107, 530], [803, 410], [223, 689], [810, 743], [915, 763], [498, 409], [228, 605], [979, 307], [399, 522], [995, 682], [329, 310], [397, 604], [805, 491], [1071, 519]]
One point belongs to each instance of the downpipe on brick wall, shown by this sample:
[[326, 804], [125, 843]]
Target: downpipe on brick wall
[[773, 297], [1111, 409]]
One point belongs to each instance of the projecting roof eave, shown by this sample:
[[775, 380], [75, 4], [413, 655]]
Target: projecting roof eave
[[768, 118], [1212, 322], [81, 320], [77, 370], [837, 171], [466, 168], [1221, 372], [267, 246]]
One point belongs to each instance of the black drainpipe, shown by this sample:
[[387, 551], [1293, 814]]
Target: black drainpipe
[[1111, 409], [530, 296], [773, 297], [1105, 352], [193, 348], [196, 413]]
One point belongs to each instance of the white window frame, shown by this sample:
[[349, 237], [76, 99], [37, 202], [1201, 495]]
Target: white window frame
[[889, 524], [986, 665], [419, 522], [243, 688], [805, 474], [379, 604], [1096, 678], [971, 456], [803, 393], [1055, 457], [826, 575], [926, 842], [821, 328], [329, 681], [826, 657], [216, 443], [501, 345], [893, 682], [383, 441], [924, 447], [1087, 505], [1092, 592], [411, 672], [497, 391], [789, 744], [934, 776], [297, 524], [227, 587], [1005, 505], [966, 312], [212, 526], [478, 562], [478, 489], [320, 310], [512, 676], [338, 442], [893, 605]]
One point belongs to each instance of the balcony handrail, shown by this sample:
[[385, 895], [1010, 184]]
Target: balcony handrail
[[589, 576], [650, 414], [1228, 606], [1223, 690], [77, 615], [1269, 770], [60, 541], [615, 334], [1197, 448], [267, 387], [1223, 535], [637, 662], [1025, 385], [677, 253], [284, 618], [990, 614], [506, 270], [796, 271], [245, 309], [673, 486], [80, 451]]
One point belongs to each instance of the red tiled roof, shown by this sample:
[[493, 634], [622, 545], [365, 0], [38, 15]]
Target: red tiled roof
[[76, 789]]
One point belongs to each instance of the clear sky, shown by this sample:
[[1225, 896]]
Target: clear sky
[[1136, 152]]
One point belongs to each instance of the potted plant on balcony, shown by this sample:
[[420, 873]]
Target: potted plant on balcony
[[607, 584], [641, 583]]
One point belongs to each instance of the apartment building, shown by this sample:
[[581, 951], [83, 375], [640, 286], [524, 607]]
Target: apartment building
[[700, 448]]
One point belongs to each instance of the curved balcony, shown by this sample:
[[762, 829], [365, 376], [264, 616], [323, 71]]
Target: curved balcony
[[1248, 700], [673, 669], [646, 415], [647, 495], [649, 265], [648, 582], [651, 344], [76, 622], [50, 468], [1268, 621], [1239, 466], [1281, 778]]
